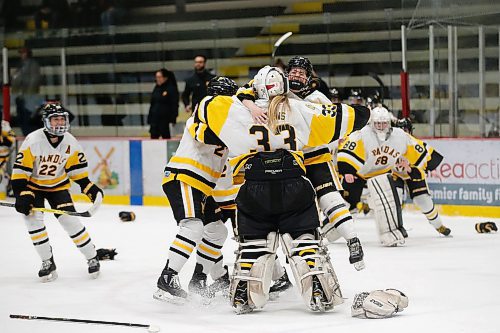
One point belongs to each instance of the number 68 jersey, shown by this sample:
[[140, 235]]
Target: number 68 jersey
[[365, 155], [47, 166]]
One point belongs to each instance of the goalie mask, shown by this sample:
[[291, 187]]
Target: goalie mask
[[380, 122], [299, 73], [55, 118], [270, 82], [221, 85]]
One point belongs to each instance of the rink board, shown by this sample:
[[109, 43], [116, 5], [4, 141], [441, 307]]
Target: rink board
[[131, 170]]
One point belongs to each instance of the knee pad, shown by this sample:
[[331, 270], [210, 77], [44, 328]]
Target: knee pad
[[338, 220], [385, 202], [254, 264], [71, 224], [309, 257], [191, 228]]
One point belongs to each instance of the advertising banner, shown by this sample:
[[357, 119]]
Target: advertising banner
[[469, 173], [109, 165]]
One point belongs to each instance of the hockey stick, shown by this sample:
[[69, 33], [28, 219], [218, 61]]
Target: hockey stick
[[278, 43], [91, 211], [150, 328]]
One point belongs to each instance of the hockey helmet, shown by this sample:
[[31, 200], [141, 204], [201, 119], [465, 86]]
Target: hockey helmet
[[295, 84], [270, 82], [55, 109], [221, 85], [380, 122]]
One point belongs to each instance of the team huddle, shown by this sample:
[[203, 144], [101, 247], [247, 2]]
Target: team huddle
[[279, 160]]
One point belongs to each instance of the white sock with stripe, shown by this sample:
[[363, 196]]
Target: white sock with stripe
[[189, 235], [79, 235], [38, 234]]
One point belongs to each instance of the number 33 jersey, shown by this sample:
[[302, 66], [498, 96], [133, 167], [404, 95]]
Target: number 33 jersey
[[224, 120], [48, 166], [365, 155]]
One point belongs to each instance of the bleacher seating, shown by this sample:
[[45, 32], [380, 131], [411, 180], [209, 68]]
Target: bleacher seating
[[351, 44]]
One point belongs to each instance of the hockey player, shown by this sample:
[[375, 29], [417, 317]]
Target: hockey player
[[7, 140], [293, 124], [190, 177], [379, 149], [318, 161], [46, 162]]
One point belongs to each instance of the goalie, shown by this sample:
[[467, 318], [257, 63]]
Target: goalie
[[370, 156]]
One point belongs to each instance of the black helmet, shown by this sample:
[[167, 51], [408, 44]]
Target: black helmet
[[304, 63], [221, 85], [52, 109]]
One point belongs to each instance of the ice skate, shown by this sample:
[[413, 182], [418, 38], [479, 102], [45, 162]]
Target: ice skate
[[318, 299], [240, 301], [279, 286], [47, 272], [444, 231], [94, 267], [169, 288], [356, 253], [198, 283], [221, 284]]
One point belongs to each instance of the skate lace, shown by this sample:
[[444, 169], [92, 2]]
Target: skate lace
[[240, 296], [46, 264], [354, 247], [174, 282], [92, 262]]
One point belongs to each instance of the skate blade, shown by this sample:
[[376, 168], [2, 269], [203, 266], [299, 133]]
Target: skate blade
[[163, 296], [49, 278], [360, 265], [94, 275], [242, 309]]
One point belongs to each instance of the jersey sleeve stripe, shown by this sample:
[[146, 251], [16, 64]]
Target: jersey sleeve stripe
[[353, 155], [76, 167], [22, 167]]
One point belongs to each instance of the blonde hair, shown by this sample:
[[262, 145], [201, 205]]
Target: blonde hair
[[278, 108]]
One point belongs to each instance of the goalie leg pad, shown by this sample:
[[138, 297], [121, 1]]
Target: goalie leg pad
[[385, 202], [378, 304], [254, 266], [308, 258]]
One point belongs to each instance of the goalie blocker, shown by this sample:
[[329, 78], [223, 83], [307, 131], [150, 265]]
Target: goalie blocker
[[385, 201]]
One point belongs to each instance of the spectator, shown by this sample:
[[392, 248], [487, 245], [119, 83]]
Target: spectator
[[111, 13], [335, 96], [53, 12], [164, 107], [26, 83], [197, 83], [355, 97]]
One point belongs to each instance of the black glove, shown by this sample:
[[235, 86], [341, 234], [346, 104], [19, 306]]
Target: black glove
[[486, 227], [106, 254], [24, 202], [91, 191]]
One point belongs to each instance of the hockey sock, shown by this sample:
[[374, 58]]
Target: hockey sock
[[79, 235], [334, 207], [208, 251], [38, 234], [189, 235], [426, 205]]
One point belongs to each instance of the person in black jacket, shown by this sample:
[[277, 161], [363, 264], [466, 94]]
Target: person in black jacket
[[164, 107], [197, 83]]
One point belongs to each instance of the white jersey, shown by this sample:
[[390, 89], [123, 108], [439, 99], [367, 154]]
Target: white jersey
[[225, 120], [364, 154], [196, 164], [48, 166]]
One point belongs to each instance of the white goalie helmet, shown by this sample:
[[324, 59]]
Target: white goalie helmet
[[270, 82], [380, 122]]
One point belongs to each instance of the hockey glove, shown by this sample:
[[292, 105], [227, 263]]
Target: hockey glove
[[106, 254], [24, 202], [486, 227], [91, 191]]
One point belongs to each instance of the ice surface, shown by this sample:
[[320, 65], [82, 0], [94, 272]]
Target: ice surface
[[452, 283]]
